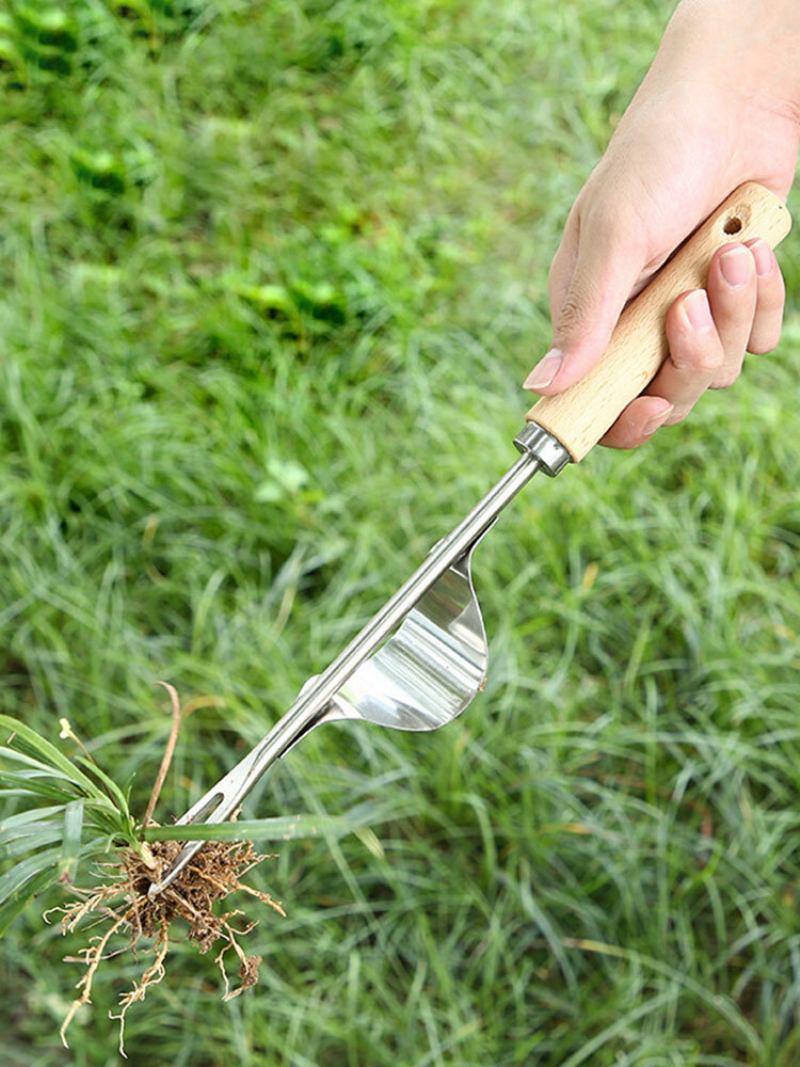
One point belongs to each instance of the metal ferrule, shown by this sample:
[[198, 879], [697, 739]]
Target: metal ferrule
[[537, 442]]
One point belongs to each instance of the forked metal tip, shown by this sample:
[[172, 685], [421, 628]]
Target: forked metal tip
[[222, 801], [217, 805], [185, 856]]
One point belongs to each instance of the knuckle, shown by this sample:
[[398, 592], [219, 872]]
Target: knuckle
[[707, 366], [726, 378], [678, 414], [702, 362], [573, 315], [761, 344]]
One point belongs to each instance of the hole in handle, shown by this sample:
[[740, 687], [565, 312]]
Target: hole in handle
[[732, 225]]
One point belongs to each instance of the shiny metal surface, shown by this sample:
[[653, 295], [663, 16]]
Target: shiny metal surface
[[423, 676], [550, 453], [431, 667]]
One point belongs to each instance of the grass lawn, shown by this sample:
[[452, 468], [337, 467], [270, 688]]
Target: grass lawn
[[271, 276]]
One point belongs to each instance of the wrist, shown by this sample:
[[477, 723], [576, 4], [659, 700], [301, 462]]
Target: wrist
[[749, 48]]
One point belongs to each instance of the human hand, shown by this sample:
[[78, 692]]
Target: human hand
[[692, 134]]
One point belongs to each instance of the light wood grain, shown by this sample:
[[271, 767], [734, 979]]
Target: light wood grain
[[582, 414]]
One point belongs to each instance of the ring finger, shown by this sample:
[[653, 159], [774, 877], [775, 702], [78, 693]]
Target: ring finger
[[732, 294], [696, 357]]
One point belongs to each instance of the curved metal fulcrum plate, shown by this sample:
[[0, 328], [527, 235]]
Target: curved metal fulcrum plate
[[431, 667]]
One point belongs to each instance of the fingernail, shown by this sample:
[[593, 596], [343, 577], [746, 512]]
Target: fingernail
[[697, 310], [763, 256], [655, 422], [736, 266], [544, 371]]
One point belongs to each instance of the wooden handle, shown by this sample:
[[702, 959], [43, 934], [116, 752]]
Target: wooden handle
[[582, 414]]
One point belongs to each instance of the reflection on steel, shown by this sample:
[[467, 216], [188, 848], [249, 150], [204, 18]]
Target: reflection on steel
[[431, 667]]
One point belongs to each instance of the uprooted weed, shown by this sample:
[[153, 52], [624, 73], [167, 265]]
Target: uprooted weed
[[120, 901]]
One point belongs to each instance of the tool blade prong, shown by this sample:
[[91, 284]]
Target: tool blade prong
[[215, 806]]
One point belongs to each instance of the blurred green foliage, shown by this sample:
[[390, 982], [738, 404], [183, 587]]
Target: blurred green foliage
[[271, 274]]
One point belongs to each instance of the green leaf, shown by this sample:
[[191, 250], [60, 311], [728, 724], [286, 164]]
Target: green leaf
[[26, 839], [50, 25], [117, 797], [269, 298], [23, 818], [11, 908], [15, 785], [51, 756], [71, 844], [13, 880], [14, 755], [286, 478], [44, 867], [102, 170], [11, 57], [135, 10], [281, 828], [320, 299]]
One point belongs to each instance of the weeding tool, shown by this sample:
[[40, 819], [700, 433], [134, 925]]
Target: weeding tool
[[418, 663]]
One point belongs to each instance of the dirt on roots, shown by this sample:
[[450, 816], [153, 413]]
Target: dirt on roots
[[119, 903]]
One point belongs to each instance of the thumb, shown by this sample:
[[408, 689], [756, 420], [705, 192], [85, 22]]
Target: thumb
[[608, 264]]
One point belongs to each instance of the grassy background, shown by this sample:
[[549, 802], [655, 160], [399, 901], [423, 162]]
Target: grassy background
[[271, 275]]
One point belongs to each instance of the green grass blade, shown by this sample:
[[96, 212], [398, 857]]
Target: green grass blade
[[71, 844], [115, 794], [19, 785], [22, 818], [33, 837], [11, 908], [280, 828], [16, 756], [14, 879], [49, 754]]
